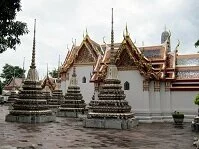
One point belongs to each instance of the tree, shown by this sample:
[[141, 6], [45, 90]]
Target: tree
[[197, 43], [1, 87], [9, 71], [196, 101], [10, 30], [54, 73]]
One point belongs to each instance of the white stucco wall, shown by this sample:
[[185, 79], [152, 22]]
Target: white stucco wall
[[87, 89], [163, 102], [135, 95], [165, 99], [183, 101]]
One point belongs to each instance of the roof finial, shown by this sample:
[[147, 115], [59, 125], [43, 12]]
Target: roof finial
[[33, 49], [176, 49], [165, 27], [104, 40], [112, 42], [142, 43], [83, 34], [127, 33], [73, 42], [86, 32]]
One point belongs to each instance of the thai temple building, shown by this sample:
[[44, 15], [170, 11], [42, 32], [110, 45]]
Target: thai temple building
[[31, 106], [73, 105], [14, 84], [157, 80]]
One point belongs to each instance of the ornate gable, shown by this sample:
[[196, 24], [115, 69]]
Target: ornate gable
[[132, 58], [84, 56], [124, 61]]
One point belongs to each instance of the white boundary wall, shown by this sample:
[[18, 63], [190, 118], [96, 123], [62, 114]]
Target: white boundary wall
[[147, 105]]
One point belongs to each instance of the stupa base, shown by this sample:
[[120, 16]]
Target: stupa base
[[110, 123], [68, 114], [30, 118]]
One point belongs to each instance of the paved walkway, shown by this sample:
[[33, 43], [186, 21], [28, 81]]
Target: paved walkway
[[68, 133]]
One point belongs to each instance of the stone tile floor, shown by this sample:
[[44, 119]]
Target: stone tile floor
[[69, 133]]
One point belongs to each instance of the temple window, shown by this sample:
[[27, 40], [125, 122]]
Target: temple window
[[84, 79], [126, 85]]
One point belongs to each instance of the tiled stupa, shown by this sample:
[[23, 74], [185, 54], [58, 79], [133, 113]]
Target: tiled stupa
[[73, 104], [110, 110], [46, 93], [13, 96], [57, 97], [31, 107]]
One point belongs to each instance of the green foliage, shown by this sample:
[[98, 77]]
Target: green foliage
[[1, 87], [177, 115], [197, 43], [54, 73], [9, 71], [10, 30], [196, 100]]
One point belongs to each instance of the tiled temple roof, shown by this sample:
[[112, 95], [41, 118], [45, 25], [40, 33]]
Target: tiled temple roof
[[14, 82], [156, 60], [188, 60]]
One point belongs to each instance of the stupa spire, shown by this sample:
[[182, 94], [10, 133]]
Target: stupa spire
[[74, 71], [58, 67], [47, 71], [33, 49], [112, 60], [23, 64]]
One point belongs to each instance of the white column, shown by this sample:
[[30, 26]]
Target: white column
[[156, 111], [146, 95]]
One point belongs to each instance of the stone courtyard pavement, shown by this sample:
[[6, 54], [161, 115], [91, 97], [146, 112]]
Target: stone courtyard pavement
[[69, 133]]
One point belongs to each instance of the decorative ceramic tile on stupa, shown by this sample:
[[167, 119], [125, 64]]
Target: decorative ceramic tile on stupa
[[56, 100], [13, 96]]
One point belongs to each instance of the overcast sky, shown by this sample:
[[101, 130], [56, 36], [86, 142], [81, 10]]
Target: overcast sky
[[58, 21]]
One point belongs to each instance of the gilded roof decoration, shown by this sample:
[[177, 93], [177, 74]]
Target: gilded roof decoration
[[87, 48], [50, 82]]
